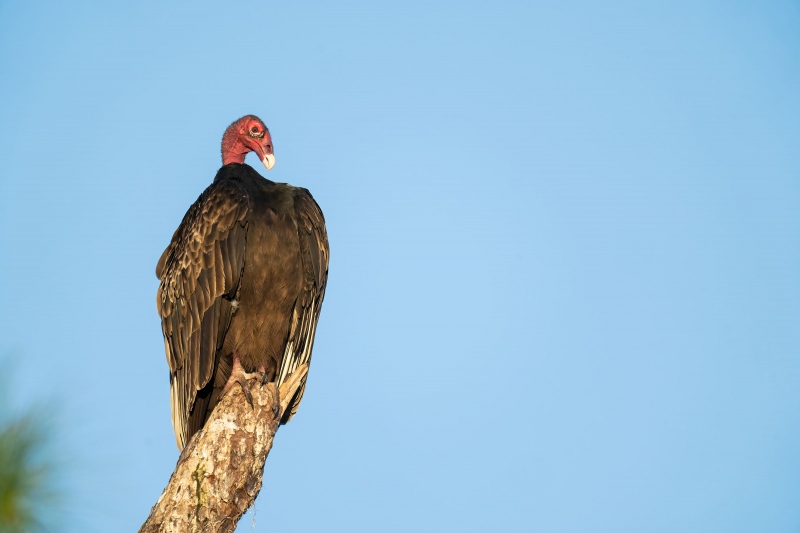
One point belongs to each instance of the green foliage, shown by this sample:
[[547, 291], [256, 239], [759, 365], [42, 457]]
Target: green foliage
[[27, 490], [23, 475]]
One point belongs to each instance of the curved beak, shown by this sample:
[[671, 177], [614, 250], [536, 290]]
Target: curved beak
[[266, 152], [269, 161]]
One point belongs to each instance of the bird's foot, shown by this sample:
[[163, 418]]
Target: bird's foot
[[264, 378], [246, 390], [241, 379], [238, 375]]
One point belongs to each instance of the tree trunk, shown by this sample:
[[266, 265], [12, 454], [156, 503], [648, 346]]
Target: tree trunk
[[218, 474]]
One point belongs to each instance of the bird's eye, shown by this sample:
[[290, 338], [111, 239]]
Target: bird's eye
[[256, 131]]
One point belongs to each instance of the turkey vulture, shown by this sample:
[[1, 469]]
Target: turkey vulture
[[242, 282]]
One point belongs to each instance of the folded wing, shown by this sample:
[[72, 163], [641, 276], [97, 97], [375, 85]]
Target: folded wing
[[314, 255], [200, 272]]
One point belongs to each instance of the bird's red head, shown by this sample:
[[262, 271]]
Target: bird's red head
[[248, 134]]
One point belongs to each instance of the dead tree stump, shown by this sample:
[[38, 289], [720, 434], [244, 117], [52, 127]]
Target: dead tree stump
[[219, 473]]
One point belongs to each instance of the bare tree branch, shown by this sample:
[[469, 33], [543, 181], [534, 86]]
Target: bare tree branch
[[219, 473]]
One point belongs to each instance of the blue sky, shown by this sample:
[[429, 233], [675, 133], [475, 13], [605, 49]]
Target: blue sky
[[563, 293]]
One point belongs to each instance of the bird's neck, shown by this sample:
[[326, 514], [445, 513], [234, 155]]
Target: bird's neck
[[233, 149]]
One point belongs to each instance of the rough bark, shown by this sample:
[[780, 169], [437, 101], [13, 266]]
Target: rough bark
[[219, 473]]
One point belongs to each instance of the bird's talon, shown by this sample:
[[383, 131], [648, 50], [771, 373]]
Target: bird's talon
[[247, 394], [276, 401]]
